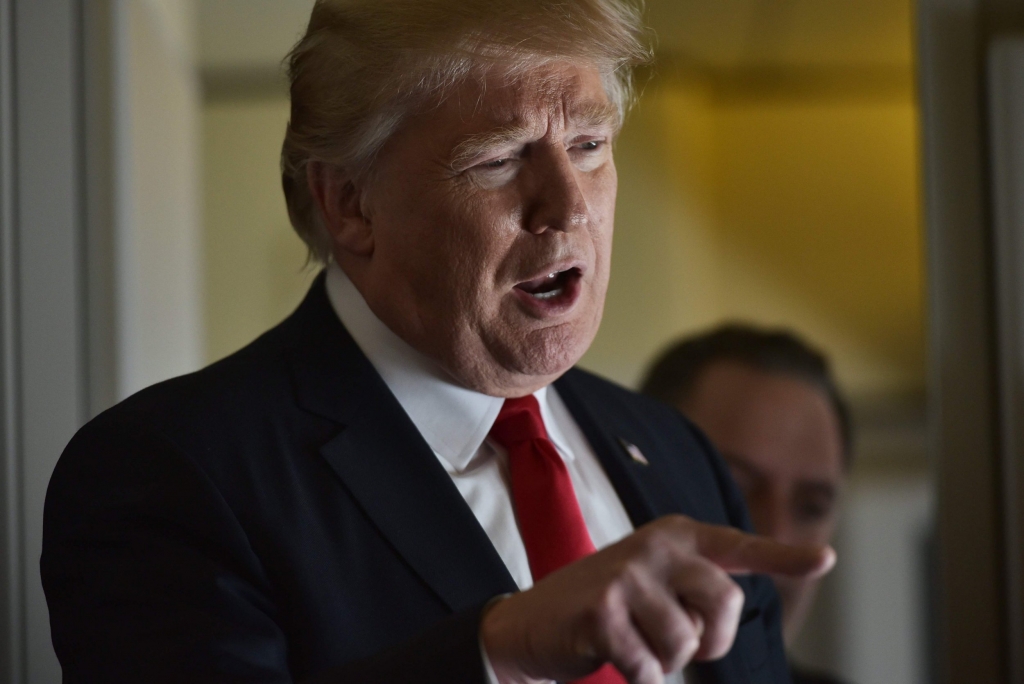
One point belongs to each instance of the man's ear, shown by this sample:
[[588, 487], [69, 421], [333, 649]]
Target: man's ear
[[341, 209]]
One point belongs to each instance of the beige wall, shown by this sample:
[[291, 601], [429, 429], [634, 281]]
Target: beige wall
[[254, 267]]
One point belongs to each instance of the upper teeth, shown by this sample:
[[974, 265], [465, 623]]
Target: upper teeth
[[552, 275]]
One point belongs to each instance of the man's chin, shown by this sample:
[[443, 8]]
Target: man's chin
[[500, 382], [513, 358], [796, 597], [527, 375], [548, 352], [519, 369]]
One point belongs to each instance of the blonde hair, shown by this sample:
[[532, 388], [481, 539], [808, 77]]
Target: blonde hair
[[364, 66]]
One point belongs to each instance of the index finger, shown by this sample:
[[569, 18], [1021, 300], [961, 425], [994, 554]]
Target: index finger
[[740, 553]]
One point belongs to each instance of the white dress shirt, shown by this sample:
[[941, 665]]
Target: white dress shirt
[[455, 421]]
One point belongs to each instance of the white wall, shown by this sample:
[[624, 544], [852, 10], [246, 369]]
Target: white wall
[[158, 281], [869, 625]]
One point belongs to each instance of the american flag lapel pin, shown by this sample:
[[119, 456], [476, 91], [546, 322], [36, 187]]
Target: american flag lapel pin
[[634, 452]]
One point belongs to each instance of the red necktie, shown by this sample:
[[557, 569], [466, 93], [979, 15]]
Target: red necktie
[[550, 522]]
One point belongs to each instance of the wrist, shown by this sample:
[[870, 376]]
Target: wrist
[[498, 643]]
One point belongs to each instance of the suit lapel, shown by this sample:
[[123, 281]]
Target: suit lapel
[[388, 468], [640, 486], [398, 481]]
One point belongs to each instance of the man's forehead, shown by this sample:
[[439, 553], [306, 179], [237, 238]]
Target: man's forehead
[[573, 111], [574, 93], [492, 114], [768, 466], [567, 88]]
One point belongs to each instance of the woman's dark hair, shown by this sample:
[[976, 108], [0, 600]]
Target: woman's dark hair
[[674, 374]]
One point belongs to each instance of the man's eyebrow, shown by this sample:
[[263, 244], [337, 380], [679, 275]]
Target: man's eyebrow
[[738, 461], [581, 117], [817, 487], [474, 145], [594, 115]]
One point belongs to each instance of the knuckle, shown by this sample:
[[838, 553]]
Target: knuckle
[[733, 597], [676, 525], [685, 532], [632, 572], [667, 536], [675, 519], [678, 641], [688, 647], [724, 594], [659, 545], [720, 643], [604, 609], [651, 539], [638, 667]]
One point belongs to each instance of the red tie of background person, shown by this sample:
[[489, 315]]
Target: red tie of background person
[[554, 532]]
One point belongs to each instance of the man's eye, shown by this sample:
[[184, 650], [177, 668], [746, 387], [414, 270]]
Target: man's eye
[[590, 145], [812, 511], [496, 164], [743, 479]]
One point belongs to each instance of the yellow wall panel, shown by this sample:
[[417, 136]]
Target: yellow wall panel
[[797, 210], [254, 262]]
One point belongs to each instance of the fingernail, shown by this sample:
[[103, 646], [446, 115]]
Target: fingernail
[[828, 561]]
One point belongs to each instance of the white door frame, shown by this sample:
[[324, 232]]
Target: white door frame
[[42, 342], [970, 335], [1006, 99]]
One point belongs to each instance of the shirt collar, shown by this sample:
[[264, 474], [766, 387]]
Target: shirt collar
[[453, 420]]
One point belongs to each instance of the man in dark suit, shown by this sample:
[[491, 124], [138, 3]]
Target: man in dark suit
[[769, 403], [405, 481]]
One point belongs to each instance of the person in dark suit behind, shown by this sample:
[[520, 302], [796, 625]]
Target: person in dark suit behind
[[406, 481], [768, 402]]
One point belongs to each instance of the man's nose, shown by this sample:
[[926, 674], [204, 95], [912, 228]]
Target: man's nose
[[771, 517], [558, 200]]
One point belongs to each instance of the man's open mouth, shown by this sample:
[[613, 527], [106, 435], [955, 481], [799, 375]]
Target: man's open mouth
[[551, 285], [553, 293]]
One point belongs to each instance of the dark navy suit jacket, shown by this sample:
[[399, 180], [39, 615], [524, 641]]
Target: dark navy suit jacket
[[276, 517]]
